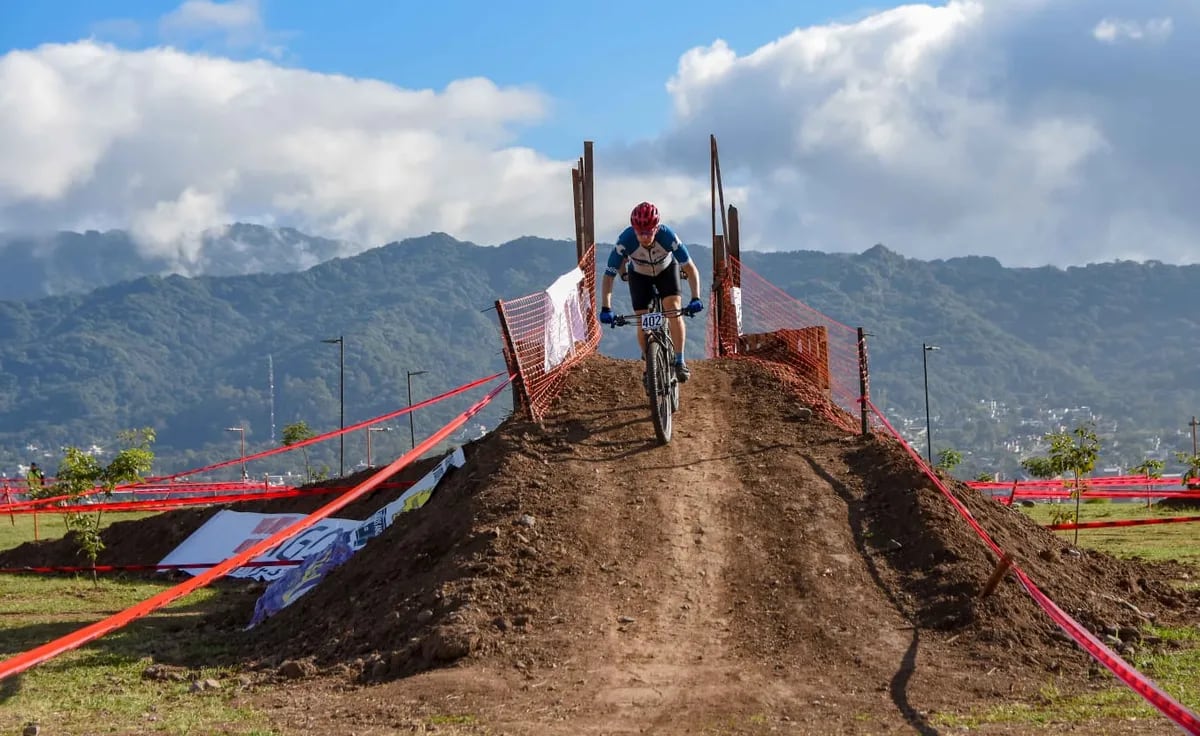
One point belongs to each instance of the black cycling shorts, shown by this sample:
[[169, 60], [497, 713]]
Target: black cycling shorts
[[642, 288]]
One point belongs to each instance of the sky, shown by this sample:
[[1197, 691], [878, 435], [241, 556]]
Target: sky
[[1037, 132]]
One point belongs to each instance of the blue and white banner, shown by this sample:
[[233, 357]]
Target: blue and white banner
[[229, 532], [303, 578], [300, 579]]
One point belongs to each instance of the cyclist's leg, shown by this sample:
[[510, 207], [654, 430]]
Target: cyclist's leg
[[667, 284], [641, 291]]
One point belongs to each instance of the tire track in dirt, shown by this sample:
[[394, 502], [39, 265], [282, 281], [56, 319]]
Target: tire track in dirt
[[667, 662]]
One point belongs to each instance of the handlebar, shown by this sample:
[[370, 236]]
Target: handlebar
[[621, 320]]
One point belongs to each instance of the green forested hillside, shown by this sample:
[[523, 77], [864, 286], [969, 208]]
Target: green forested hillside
[[1121, 339], [189, 355]]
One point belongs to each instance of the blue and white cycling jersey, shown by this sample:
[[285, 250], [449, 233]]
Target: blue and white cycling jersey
[[651, 261]]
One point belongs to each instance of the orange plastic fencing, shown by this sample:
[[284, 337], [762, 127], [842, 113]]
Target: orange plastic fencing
[[817, 356], [546, 336]]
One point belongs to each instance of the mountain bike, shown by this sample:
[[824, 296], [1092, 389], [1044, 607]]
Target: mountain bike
[[662, 385]]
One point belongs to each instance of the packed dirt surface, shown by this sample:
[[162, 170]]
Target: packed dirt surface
[[765, 572]]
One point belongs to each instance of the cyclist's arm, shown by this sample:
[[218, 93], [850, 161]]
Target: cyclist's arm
[[693, 277], [616, 259]]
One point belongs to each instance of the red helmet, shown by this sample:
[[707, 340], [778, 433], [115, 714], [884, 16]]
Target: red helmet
[[644, 217]]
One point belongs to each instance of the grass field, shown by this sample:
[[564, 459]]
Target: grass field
[[1157, 542], [20, 528], [100, 688]]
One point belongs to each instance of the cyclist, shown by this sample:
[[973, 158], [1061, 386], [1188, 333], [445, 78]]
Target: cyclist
[[649, 256]]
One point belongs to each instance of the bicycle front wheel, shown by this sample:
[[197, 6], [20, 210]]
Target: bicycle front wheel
[[658, 375]]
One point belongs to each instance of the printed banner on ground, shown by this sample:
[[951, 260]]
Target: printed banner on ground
[[299, 580], [414, 498], [302, 578], [229, 532]]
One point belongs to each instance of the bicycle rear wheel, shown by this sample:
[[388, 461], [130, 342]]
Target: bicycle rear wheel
[[658, 374], [674, 380]]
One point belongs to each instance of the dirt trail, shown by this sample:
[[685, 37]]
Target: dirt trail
[[670, 656], [763, 573], [733, 627]]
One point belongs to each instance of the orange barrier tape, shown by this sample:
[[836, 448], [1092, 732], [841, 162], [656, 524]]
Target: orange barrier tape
[[1121, 522], [50, 502], [1132, 482], [21, 662], [1142, 685], [136, 568], [163, 504]]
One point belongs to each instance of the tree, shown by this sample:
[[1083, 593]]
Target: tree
[[1072, 452], [81, 474], [948, 460], [1151, 469], [1191, 479], [986, 477], [298, 432]]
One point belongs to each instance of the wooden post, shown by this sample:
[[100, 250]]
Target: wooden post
[[734, 249], [580, 237], [720, 291], [589, 202], [577, 200], [589, 213], [521, 399], [716, 163], [997, 575], [863, 379], [712, 183]]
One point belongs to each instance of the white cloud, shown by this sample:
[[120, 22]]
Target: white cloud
[[993, 127], [997, 127], [204, 16], [237, 24], [1111, 30], [180, 223], [169, 142]]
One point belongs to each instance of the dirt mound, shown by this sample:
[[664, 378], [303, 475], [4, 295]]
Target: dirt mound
[[763, 571], [1182, 505], [146, 541], [940, 563], [762, 545]]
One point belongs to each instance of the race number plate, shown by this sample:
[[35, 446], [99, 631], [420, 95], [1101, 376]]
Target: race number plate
[[652, 321]]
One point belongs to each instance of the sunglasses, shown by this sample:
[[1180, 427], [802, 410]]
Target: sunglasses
[[645, 234]]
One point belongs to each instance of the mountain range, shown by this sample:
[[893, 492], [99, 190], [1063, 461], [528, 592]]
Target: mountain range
[[189, 355], [70, 263]]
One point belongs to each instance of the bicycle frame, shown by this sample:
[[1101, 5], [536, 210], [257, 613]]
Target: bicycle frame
[[662, 384]]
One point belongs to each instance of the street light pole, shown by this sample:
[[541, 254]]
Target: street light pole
[[341, 343], [242, 432], [925, 350], [369, 431], [412, 433]]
